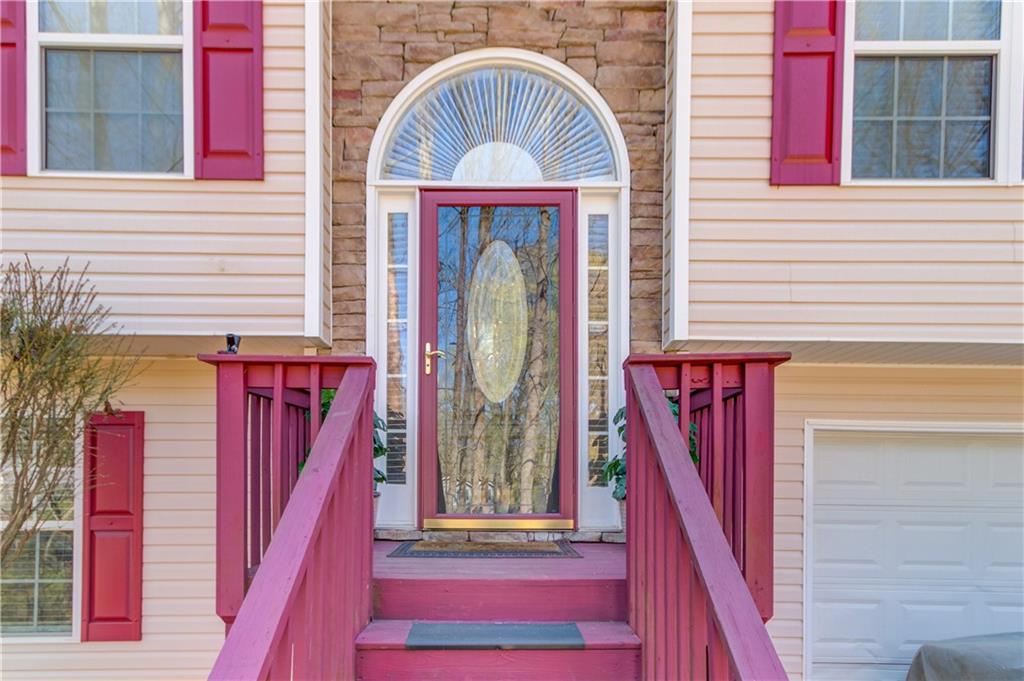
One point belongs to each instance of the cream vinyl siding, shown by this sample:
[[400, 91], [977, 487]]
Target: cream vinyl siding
[[861, 393], [184, 257], [850, 263], [181, 633]]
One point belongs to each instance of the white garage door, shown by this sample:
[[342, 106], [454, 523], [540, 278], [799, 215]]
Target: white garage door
[[916, 537]]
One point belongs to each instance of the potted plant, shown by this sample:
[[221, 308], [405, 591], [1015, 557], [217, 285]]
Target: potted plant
[[380, 449], [614, 471]]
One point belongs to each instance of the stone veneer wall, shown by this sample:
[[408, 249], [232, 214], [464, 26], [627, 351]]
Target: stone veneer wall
[[619, 47]]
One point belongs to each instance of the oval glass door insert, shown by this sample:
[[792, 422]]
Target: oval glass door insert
[[496, 321]]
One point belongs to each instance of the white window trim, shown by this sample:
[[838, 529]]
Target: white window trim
[[37, 41], [76, 571], [1007, 110], [595, 511], [814, 426]]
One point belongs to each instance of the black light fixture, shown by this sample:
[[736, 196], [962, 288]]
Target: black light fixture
[[233, 340]]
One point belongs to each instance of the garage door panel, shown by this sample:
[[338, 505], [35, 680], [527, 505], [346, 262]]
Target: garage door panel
[[888, 625], [857, 672], [1005, 473], [846, 467], [848, 546], [915, 537], [952, 467], [1002, 551], [913, 543]]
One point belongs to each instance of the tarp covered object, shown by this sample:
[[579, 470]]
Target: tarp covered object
[[997, 657]]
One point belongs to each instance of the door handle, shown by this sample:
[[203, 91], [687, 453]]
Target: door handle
[[428, 358]]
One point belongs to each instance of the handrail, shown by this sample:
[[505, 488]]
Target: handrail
[[311, 595], [688, 600]]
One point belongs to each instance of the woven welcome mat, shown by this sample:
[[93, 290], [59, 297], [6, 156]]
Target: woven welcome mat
[[472, 549]]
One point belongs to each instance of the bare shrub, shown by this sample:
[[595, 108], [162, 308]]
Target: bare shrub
[[61, 358]]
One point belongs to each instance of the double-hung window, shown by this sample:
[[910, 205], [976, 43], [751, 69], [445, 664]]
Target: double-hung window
[[113, 86], [934, 90], [36, 582]]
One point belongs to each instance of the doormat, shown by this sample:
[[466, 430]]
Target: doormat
[[473, 549]]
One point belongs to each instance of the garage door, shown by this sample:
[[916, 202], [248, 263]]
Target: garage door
[[915, 537]]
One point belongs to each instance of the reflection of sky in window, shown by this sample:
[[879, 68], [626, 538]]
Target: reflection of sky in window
[[488, 110], [517, 226], [922, 117], [490, 441]]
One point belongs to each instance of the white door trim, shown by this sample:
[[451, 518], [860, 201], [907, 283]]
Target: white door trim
[[811, 427], [398, 505]]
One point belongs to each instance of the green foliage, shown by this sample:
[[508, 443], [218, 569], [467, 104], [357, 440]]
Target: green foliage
[[614, 471], [380, 430]]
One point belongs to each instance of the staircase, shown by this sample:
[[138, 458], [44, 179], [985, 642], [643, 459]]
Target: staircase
[[308, 595], [499, 619]]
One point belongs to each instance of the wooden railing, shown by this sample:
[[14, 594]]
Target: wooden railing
[[699, 537], [268, 415], [311, 595]]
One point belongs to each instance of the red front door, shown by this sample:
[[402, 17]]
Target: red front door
[[498, 362]]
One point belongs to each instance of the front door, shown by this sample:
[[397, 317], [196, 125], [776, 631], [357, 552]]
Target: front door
[[498, 359]]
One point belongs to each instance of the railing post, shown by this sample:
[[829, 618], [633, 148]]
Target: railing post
[[231, 450], [759, 479]]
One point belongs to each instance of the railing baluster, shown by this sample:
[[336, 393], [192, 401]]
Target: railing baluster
[[266, 505], [315, 389], [728, 470], [698, 626], [717, 442], [670, 600], [658, 525], [718, 662], [255, 451], [278, 457]]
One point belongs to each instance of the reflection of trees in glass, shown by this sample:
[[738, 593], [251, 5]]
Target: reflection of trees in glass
[[498, 457]]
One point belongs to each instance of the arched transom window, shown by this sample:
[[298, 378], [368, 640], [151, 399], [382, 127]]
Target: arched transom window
[[499, 124]]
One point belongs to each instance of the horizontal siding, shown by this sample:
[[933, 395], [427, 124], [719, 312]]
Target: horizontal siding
[[181, 633], [870, 394], [829, 263], [173, 257]]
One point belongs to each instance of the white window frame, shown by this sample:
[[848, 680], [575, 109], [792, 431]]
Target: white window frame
[[38, 41], [75, 525], [1007, 128]]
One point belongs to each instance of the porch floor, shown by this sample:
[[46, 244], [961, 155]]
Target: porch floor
[[598, 561]]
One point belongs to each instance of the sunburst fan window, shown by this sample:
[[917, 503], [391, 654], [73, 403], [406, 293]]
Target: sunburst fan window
[[499, 124]]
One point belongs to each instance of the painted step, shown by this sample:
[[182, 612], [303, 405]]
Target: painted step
[[393, 650], [590, 588]]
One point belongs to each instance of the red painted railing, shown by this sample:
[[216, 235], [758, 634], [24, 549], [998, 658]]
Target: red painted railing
[[311, 595], [699, 541], [265, 426]]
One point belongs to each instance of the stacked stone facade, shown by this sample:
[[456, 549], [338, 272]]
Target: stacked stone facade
[[378, 47]]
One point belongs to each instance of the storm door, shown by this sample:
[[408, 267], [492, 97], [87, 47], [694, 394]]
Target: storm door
[[498, 360]]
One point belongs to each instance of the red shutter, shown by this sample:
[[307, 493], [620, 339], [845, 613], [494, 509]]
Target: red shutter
[[229, 89], [12, 87], [112, 548], [807, 91]]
